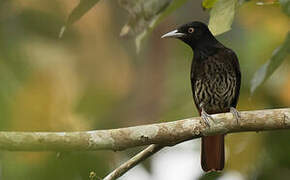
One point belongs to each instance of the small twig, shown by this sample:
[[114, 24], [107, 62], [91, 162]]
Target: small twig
[[150, 150]]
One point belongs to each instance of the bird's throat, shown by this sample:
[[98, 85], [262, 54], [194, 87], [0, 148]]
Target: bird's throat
[[202, 52]]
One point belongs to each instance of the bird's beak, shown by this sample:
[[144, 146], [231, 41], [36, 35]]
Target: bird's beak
[[173, 34]]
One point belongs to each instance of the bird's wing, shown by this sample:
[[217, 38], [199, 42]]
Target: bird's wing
[[236, 66], [193, 74]]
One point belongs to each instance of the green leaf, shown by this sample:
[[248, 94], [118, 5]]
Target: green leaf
[[285, 5], [83, 7], [222, 16], [145, 15], [207, 4], [279, 54]]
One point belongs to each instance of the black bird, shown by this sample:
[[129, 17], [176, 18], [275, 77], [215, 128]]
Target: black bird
[[215, 81]]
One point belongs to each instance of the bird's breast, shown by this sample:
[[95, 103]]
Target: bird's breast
[[214, 85]]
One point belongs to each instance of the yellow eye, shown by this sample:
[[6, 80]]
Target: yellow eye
[[190, 30]]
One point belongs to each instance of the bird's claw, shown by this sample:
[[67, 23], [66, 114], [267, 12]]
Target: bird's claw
[[236, 114], [206, 117]]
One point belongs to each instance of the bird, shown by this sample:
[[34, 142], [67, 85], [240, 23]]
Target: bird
[[215, 82]]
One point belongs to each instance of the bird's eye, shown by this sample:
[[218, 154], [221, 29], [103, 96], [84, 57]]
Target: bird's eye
[[190, 30]]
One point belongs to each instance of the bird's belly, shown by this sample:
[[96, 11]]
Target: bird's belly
[[215, 94]]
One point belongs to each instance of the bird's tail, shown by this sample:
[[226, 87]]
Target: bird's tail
[[212, 153]]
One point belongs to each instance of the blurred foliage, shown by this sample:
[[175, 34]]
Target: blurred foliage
[[156, 17], [146, 14], [285, 4], [93, 79], [274, 161], [207, 4], [211, 176], [77, 13], [141, 14], [272, 64]]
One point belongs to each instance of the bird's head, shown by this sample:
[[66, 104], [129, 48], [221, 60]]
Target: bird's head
[[194, 34]]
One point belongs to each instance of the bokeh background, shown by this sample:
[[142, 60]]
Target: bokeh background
[[93, 79]]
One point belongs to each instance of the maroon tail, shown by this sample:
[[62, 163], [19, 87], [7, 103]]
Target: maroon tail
[[212, 153]]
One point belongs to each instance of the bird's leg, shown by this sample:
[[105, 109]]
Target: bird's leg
[[206, 117], [236, 114]]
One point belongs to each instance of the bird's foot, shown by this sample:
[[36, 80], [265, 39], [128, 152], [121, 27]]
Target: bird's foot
[[206, 117], [236, 114]]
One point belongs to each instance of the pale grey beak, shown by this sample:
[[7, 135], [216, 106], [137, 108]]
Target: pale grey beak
[[173, 34]]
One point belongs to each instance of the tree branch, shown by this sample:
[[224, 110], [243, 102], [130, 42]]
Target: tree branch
[[118, 172], [146, 153], [169, 133]]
